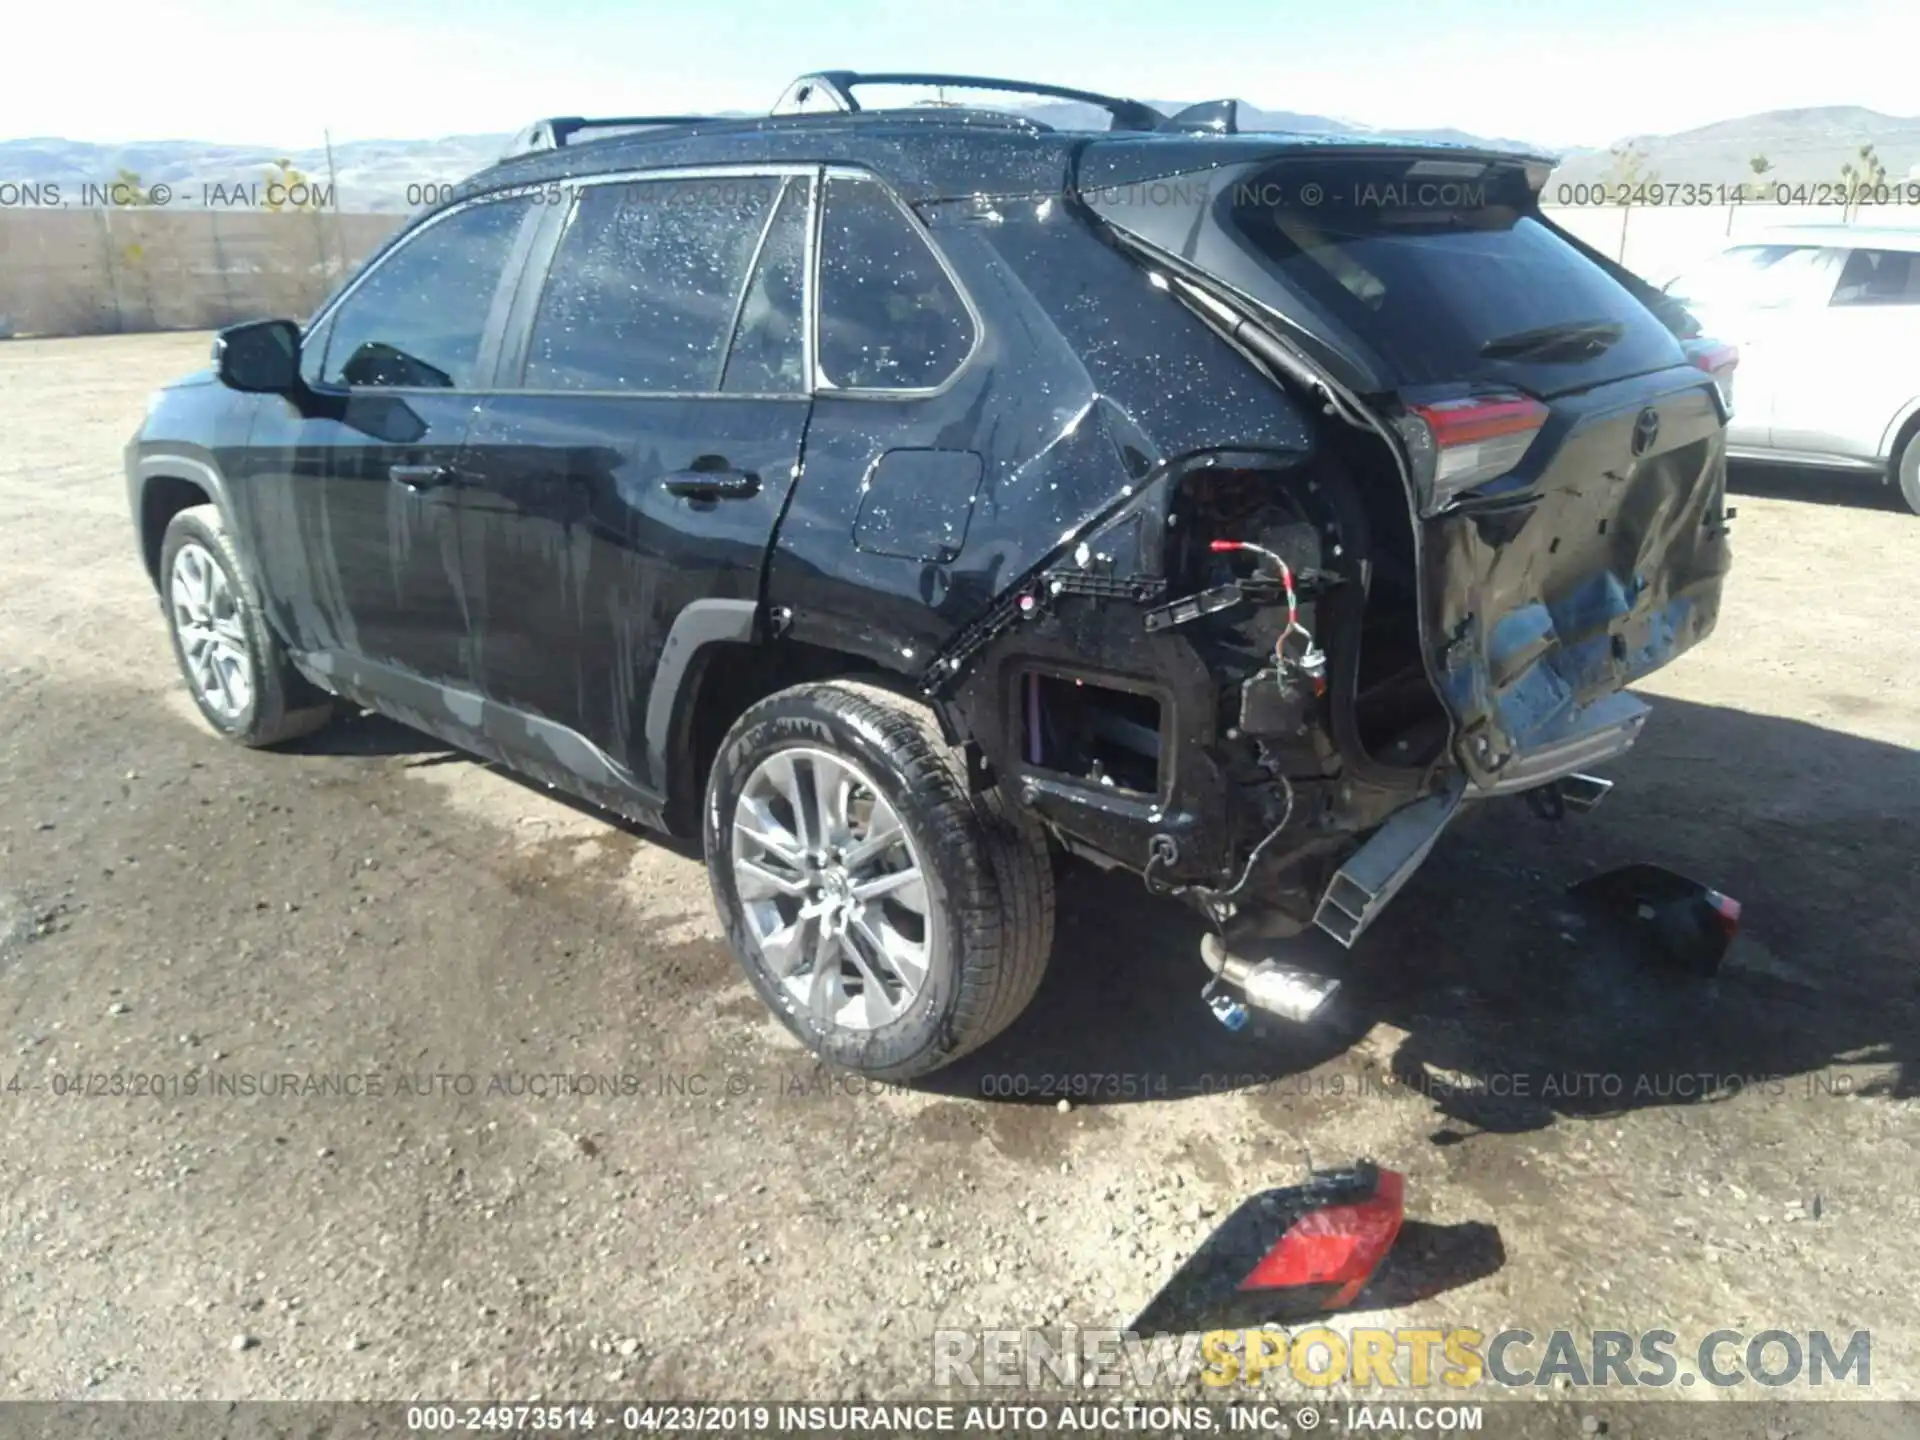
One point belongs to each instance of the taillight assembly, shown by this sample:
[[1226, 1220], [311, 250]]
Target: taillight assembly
[[1458, 444], [1718, 359]]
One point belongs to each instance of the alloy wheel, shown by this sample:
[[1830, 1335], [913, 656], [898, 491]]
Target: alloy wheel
[[832, 888], [213, 636]]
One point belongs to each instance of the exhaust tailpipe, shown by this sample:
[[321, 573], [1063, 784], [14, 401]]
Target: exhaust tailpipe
[[1249, 962]]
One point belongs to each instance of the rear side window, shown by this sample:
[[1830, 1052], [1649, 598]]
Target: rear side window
[[645, 285], [1879, 277], [1749, 276], [418, 317], [890, 317], [1442, 273]]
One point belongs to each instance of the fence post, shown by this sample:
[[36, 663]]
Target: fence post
[[113, 274]]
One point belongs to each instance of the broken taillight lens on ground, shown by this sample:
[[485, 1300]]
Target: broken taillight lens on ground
[[1686, 923], [1285, 1255]]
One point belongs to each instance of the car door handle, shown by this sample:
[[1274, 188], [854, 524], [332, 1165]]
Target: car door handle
[[421, 477], [712, 484]]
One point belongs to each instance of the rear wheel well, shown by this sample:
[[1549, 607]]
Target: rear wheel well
[[727, 679], [164, 497], [1908, 430]]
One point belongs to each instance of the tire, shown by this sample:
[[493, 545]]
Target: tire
[[240, 678], [1905, 472], [985, 881]]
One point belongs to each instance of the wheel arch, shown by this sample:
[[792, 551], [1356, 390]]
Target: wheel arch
[[1901, 429], [168, 484], [718, 663]]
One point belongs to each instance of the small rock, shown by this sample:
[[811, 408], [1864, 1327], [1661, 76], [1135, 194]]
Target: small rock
[[1064, 1106], [354, 1342], [119, 1007], [628, 1347], [1589, 1424], [242, 1342]]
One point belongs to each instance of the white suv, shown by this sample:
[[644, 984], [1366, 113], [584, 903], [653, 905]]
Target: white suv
[[1827, 319]]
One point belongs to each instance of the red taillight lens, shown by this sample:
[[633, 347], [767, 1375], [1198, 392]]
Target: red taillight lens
[[1718, 359], [1338, 1245], [1457, 444], [1713, 356]]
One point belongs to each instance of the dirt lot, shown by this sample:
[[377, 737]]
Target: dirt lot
[[747, 1224]]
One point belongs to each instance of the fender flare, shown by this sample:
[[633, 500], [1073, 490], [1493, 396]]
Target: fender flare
[[1902, 418], [172, 465], [699, 624]]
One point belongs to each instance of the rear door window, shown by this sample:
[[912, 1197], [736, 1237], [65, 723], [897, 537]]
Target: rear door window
[[646, 283], [768, 352], [1443, 274], [418, 318], [1879, 277], [1753, 276], [891, 317]]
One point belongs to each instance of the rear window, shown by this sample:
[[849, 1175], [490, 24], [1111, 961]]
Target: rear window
[[1424, 264]]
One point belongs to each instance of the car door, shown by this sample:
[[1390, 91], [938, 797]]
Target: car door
[[630, 467], [1777, 318], [352, 495], [1861, 375]]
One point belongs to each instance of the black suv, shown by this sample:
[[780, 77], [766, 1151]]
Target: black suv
[[895, 497]]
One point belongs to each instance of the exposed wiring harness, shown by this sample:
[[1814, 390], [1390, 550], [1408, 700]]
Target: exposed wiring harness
[[1165, 854], [1312, 661]]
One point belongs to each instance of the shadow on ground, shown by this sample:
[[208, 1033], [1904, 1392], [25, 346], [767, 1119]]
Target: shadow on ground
[[1853, 488], [362, 732], [1493, 975]]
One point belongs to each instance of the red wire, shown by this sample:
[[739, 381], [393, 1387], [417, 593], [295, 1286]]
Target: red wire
[[1222, 547]]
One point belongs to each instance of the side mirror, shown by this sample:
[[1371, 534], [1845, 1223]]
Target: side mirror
[[261, 357]]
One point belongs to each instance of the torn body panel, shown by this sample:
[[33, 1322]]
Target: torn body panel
[[1580, 573]]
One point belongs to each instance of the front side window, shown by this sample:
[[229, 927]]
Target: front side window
[[890, 317], [1879, 277], [417, 319], [646, 284]]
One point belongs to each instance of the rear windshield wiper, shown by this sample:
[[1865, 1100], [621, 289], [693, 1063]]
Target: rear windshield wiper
[[1569, 340]]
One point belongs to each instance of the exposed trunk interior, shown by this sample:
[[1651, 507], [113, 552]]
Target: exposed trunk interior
[[1340, 523]]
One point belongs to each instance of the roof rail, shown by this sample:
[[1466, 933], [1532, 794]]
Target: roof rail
[[832, 90], [558, 132]]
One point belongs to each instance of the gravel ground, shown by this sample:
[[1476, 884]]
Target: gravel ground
[[745, 1223]]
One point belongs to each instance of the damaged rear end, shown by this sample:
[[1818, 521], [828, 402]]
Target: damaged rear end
[[1512, 508]]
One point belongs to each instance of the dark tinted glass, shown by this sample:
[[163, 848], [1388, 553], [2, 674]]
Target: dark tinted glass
[[768, 352], [1425, 271], [418, 316], [643, 290], [889, 316], [1879, 277]]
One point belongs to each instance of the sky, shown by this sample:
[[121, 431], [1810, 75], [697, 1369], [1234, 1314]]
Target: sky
[[281, 72]]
